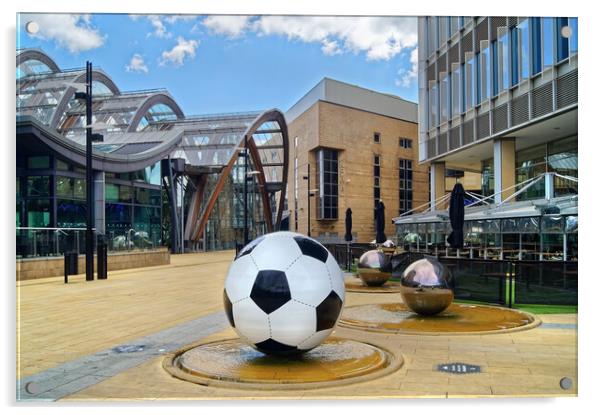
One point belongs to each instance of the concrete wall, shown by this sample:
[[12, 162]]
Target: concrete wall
[[28, 269]]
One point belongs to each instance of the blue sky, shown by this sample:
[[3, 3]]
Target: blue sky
[[233, 63]]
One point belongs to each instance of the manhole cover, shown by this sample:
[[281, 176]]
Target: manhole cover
[[129, 348], [458, 368]]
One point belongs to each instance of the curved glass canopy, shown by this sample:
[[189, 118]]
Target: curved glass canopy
[[150, 124]]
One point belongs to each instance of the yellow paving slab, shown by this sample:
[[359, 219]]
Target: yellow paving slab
[[58, 323]]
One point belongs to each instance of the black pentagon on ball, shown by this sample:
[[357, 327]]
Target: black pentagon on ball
[[228, 308], [271, 346], [312, 248], [248, 248], [270, 290], [328, 311]]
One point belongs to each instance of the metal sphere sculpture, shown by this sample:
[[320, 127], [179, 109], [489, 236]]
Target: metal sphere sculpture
[[426, 287], [374, 268], [284, 293]]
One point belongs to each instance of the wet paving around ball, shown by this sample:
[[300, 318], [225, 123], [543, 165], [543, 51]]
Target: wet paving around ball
[[456, 319]]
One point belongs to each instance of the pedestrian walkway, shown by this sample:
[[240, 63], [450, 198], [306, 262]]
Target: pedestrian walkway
[[107, 340]]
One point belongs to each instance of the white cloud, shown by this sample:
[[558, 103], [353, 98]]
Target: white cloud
[[174, 18], [179, 52], [230, 26], [160, 22], [71, 31], [407, 77], [160, 29], [380, 38], [331, 47], [137, 64]]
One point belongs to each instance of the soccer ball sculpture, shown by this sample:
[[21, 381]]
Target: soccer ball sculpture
[[284, 293]]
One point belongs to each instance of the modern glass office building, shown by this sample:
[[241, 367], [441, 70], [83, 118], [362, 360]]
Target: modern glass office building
[[498, 96], [160, 177]]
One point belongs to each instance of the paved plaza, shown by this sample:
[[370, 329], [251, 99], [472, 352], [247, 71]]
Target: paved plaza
[[107, 340]]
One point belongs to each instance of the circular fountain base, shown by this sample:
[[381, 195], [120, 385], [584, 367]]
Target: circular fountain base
[[456, 319], [232, 363], [357, 285]]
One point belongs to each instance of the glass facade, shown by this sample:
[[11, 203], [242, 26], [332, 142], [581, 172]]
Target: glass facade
[[57, 199], [532, 238]]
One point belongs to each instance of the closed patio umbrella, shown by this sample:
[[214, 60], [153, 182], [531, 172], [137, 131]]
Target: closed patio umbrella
[[456, 217], [380, 223], [348, 225]]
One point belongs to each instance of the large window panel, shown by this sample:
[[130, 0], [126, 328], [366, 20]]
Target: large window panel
[[524, 55], [434, 105], [469, 81], [443, 98], [485, 73], [503, 58], [328, 184], [547, 40], [456, 95]]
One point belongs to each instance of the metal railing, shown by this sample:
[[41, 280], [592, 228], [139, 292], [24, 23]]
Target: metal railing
[[32, 242], [502, 282]]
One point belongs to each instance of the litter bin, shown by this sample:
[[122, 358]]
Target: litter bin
[[101, 259], [71, 260]]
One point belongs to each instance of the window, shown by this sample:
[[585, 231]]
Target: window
[[405, 142], [524, 51], [405, 185], [454, 24], [432, 34], [503, 66], [443, 99], [434, 104], [38, 162], [456, 97], [547, 40], [443, 29], [485, 74], [470, 90], [376, 181], [296, 141], [536, 44], [328, 182], [567, 38], [377, 137]]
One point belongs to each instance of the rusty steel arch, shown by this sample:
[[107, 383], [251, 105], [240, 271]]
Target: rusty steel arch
[[271, 115]]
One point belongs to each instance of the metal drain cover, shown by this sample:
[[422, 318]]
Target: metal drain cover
[[129, 348], [458, 368]]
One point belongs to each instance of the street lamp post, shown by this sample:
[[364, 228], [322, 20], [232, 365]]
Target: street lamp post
[[309, 195], [87, 97]]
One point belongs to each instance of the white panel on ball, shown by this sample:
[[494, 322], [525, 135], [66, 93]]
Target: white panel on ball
[[336, 277], [308, 281], [304, 317], [251, 320], [241, 276], [277, 251], [314, 340]]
